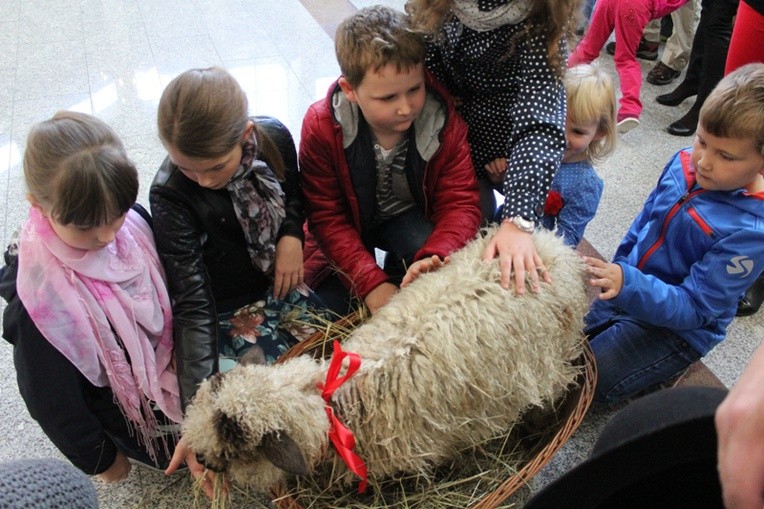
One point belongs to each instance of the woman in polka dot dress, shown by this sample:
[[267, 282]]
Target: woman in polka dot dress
[[590, 131], [504, 61]]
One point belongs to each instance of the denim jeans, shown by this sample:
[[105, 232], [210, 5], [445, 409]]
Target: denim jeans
[[633, 356], [401, 237]]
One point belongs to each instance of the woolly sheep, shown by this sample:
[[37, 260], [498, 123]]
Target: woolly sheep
[[450, 361]]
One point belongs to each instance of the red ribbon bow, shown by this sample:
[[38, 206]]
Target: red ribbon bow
[[341, 437]]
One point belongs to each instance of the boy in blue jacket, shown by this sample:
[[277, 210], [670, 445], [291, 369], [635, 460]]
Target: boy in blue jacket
[[698, 243]]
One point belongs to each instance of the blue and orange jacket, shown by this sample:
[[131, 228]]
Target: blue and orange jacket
[[688, 257]]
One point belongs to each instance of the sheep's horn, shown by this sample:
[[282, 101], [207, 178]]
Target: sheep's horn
[[283, 452]]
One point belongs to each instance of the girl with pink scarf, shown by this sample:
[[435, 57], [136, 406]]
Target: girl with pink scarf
[[88, 311]]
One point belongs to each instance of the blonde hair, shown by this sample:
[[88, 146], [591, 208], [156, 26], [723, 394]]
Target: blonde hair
[[553, 19], [203, 113], [591, 97], [735, 108], [76, 167], [374, 37]]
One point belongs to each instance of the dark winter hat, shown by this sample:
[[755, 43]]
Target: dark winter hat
[[658, 451]]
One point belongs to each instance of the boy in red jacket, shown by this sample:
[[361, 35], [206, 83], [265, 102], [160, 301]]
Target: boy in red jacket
[[384, 164]]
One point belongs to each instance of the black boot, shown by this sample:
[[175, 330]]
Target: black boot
[[751, 301], [680, 93], [686, 125]]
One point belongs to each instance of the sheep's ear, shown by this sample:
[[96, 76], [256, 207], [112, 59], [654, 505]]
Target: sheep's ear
[[283, 452]]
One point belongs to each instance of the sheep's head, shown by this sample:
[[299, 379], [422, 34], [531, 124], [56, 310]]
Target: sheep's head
[[256, 423]]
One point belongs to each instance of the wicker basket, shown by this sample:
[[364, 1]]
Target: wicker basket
[[570, 414]]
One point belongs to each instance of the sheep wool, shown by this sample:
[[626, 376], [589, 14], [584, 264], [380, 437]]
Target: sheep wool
[[451, 361]]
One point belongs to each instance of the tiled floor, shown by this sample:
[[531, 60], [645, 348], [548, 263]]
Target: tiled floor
[[113, 57]]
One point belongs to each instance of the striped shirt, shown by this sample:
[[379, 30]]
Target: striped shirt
[[393, 194]]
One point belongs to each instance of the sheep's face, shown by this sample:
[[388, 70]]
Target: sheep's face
[[256, 423]]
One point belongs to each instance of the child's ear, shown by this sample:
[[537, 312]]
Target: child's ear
[[36, 204], [33, 201], [248, 131], [348, 89]]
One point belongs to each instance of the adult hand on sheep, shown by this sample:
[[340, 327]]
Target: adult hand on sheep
[[205, 478], [740, 434], [423, 266], [380, 296], [118, 471], [516, 250], [288, 269], [496, 170], [607, 276]]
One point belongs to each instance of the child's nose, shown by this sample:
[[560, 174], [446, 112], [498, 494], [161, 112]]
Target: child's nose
[[404, 107], [704, 161], [106, 234], [205, 181]]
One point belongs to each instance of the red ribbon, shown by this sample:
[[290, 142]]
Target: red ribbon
[[341, 437]]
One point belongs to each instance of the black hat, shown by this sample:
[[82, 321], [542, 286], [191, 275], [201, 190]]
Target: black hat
[[658, 451]]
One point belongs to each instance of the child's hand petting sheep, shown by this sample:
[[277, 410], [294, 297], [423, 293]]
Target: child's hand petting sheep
[[423, 266], [607, 276], [380, 296]]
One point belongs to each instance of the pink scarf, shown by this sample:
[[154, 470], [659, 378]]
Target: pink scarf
[[95, 306]]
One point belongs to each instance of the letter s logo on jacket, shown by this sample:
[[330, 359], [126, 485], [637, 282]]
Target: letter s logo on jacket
[[740, 266]]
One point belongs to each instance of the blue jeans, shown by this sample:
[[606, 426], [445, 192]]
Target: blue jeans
[[401, 237], [633, 356]]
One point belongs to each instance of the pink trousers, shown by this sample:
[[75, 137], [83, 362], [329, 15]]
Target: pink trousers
[[628, 18]]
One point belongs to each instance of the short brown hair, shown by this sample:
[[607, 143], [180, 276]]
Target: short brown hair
[[76, 165], [203, 113], [373, 38], [735, 108]]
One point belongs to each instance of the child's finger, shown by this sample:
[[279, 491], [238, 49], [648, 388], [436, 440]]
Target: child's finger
[[178, 457]]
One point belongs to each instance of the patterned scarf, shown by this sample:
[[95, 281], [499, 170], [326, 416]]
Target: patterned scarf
[[485, 15], [108, 312], [259, 204]]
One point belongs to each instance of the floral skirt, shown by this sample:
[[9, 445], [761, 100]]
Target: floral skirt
[[266, 329]]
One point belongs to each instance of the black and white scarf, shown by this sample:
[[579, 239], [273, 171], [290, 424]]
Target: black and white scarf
[[259, 204]]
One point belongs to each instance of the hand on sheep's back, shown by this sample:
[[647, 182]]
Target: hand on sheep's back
[[423, 266], [504, 352], [519, 260]]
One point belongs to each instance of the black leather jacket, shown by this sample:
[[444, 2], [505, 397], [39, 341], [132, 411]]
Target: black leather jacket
[[204, 252]]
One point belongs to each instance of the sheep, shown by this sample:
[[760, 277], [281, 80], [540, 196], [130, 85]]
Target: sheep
[[451, 361]]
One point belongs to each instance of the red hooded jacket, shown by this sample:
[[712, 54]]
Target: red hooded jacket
[[334, 154]]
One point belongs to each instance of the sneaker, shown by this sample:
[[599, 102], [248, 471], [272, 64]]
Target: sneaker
[[646, 50], [627, 124], [662, 74]]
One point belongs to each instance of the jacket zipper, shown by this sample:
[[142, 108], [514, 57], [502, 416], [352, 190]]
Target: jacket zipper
[[659, 242], [700, 222]]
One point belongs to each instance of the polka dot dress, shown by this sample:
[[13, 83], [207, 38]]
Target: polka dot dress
[[513, 104]]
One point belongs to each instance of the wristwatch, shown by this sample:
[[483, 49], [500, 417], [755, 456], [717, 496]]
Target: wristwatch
[[525, 225]]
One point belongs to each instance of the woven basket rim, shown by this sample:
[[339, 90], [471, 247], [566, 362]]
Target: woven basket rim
[[574, 406]]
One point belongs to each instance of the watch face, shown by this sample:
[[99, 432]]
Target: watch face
[[524, 224]]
